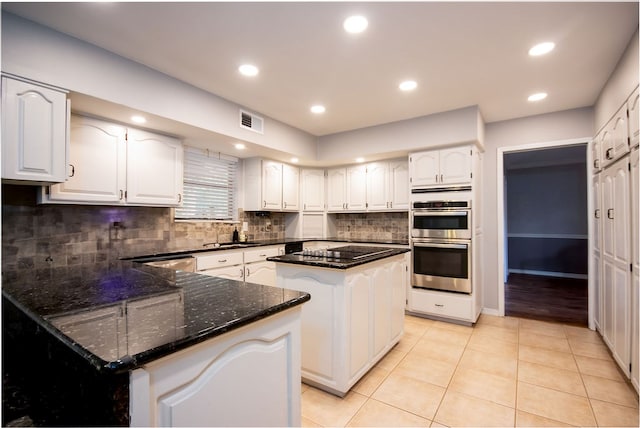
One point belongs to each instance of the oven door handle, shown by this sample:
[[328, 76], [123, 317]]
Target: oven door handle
[[440, 213], [435, 245]]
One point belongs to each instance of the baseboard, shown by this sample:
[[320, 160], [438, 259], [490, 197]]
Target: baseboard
[[489, 311], [547, 273]]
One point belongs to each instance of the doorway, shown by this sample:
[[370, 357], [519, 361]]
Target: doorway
[[545, 233]]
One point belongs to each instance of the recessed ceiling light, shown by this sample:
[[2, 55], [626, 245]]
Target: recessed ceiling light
[[537, 97], [359, 160], [318, 109], [355, 24], [294, 160], [408, 85], [138, 119], [542, 48], [240, 146], [248, 70]]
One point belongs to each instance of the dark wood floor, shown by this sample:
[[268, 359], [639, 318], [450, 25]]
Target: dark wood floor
[[547, 298]]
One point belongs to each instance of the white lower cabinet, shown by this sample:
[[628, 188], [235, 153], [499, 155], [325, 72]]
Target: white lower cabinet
[[241, 265], [260, 273], [246, 377], [355, 316], [442, 304]]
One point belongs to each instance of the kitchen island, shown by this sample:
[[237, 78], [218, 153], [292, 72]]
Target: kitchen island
[[356, 314], [120, 343]]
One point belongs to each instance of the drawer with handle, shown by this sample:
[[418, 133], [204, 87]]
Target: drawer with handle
[[260, 254], [217, 259]]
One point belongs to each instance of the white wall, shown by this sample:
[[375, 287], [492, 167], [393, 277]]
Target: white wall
[[452, 127], [39, 53], [564, 125], [621, 83]]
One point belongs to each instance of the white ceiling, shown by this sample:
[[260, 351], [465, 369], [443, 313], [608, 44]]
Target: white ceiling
[[461, 54]]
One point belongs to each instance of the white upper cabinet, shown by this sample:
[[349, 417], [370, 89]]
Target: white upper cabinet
[[270, 186], [615, 142], [34, 132], [312, 189], [436, 168], [634, 118], [596, 152], [347, 189], [388, 186], [112, 165], [290, 187], [154, 169], [97, 153]]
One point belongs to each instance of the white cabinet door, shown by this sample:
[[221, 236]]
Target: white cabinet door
[[597, 249], [271, 185], [34, 132], [263, 273], [154, 322], [634, 118], [356, 188], [398, 279], [455, 165], [336, 189], [424, 168], [378, 198], [382, 294], [312, 189], [399, 185], [290, 187], [357, 291], [596, 154], [615, 142], [154, 169], [635, 260], [111, 344], [97, 158], [616, 261]]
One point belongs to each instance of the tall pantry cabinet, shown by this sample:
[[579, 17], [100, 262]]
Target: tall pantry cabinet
[[614, 257]]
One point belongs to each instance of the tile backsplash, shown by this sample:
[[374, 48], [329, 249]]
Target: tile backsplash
[[372, 226], [58, 235]]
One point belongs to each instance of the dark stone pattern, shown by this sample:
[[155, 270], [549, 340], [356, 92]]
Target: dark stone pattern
[[373, 226], [211, 306], [334, 263]]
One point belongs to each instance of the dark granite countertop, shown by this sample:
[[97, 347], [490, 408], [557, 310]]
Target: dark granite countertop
[[328, 259], [261, 243], [206, 307]]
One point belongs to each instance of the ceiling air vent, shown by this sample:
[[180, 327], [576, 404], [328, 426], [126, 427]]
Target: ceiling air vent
[[251, 122]]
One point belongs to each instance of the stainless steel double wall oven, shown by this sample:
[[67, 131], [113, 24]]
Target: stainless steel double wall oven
[[441, 232]]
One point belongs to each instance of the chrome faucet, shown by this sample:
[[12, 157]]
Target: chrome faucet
[[215, 244]]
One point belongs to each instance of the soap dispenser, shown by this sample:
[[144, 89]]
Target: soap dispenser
[[235, 235]]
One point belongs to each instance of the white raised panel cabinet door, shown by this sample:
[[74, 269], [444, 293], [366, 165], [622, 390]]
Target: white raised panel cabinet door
[[399, 185], [271, 185], [263, 273], [455, 165], [634, 118], [97, 163], [615, 142], [228, 272], [597, 248], [34, 132], [336, 189], [382, 293], [398, 280], [357, 288], [596, 147], [290, 187], [635, 277], [357, 188], [154, 169], [378, 198], [424, 168], [312, 189]]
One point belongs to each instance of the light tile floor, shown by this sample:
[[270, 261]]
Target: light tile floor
[[501, 372]]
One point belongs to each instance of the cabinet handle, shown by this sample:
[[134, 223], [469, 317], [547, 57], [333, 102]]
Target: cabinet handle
[[610, 213], [179, 197], [597, 213], [304, 206], [438, 305], [436, 178], [596, 163], [285, 205], [441, 179], [264, 204], [222, 261], [391, 204], [608, 154], [248, 272], [242, 273], [120, 194], [73, 170]]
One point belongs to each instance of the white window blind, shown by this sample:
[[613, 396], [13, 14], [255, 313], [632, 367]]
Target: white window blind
[[210, 180]]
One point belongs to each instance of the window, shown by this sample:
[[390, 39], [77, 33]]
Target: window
[[209, 186]]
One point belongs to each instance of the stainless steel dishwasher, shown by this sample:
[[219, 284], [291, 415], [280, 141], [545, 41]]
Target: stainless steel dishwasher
[[184, 263]]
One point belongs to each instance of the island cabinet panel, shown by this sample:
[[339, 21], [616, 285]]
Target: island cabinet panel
[[206, 385], [355, 316]]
